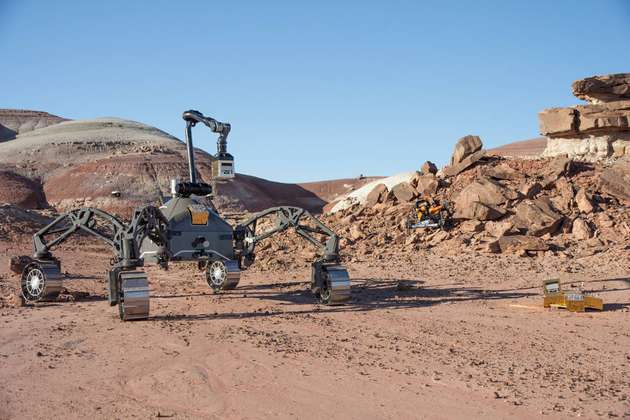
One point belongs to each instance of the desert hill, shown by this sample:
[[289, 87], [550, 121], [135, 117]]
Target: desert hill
[[530, 148], [67, 164]]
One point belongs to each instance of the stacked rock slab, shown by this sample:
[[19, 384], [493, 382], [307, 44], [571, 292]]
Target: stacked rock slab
[[595, 131]]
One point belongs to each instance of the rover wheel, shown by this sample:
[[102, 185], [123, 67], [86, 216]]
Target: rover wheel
[[223, 275], [336, 286], [41, 281], [133, 298]]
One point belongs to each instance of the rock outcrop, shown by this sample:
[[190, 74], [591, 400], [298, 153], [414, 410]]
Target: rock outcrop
[[598, 89], [598, 130]]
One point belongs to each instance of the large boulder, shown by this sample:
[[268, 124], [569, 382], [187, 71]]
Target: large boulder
[[457, 168], [404, 192], [480, 200], [465, 147], [521, 243], [616, 180], [538, 217], [485, 191], [607, 88], [479, 211], [428, 167], [377, 195], [427, 185]]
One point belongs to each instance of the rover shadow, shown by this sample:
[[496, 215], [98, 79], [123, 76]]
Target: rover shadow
[[367, 295]]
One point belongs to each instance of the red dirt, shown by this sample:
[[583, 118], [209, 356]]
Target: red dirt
[[470, 339]]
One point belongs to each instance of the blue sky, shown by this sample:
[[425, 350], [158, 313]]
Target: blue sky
[[313, 90]]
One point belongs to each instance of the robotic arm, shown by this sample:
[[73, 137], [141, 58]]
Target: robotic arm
[[193, 117]]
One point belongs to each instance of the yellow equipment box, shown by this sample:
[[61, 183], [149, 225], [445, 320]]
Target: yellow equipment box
[[573, 301]]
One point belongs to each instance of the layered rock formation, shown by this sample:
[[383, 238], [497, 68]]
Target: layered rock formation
[[20, 121], [598, 130]]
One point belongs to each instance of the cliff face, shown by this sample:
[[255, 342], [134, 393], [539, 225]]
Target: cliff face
[[594, 131]]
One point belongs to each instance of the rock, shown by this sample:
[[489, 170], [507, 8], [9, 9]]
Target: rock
[[412, 239], [427, 185], [558, 122], [465, 147], [560, 167], [404, 192], [537, 217], [457, 168], [518, 243], [531, 189], [493, 247], [356, 232], [471, 226], [581, 230], [428, 167], [584, 201], [499, 228], [479, 211], [377, 195], [607, 88], [479, 200], [438, 237], [616, 180], [484, 191], [567, 225], [564, 199], [604, 220], [504, 172], [583, 120]]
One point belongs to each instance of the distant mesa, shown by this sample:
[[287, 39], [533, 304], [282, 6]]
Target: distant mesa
[[530, 148], [20, 121]]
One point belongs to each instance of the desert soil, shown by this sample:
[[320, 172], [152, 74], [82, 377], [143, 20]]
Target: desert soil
[[469, 338]]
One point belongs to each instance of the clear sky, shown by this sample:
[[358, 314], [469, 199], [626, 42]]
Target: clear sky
[[313, 90]]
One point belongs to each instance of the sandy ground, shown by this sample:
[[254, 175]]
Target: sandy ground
[[469, 340]]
